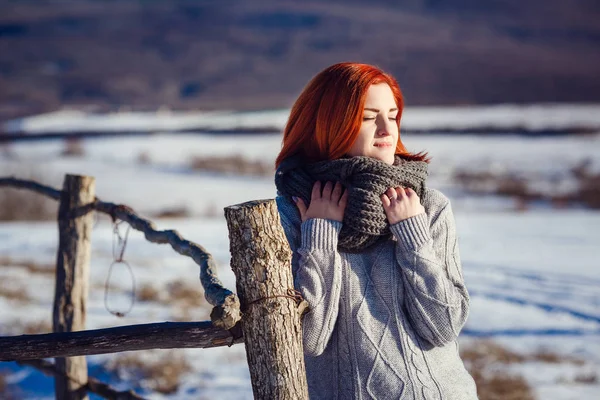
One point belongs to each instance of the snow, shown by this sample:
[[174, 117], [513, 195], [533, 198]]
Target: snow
[[533, 275], [534, 117], [503, 116], [160, 121]]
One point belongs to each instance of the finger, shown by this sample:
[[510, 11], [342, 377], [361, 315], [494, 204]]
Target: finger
[[401, 193], [337, 192], [386, 200], [410, 192], [344, 199], [301, 207], [391, 194], [412, 196], [327, 190], [316, 191]]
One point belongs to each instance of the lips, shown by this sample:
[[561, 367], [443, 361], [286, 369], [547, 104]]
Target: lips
[[383, 144]]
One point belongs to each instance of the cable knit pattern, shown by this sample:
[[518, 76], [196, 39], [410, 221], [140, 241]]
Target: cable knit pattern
[[382, 323]]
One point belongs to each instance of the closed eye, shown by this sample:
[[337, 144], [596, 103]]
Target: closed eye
[[369, 118]]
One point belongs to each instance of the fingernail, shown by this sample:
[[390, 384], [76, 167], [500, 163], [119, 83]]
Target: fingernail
[[295, 199]]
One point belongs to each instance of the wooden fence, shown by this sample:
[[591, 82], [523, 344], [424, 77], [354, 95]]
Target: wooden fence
[[269, 324]]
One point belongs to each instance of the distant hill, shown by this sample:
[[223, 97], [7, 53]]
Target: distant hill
[[260, 54]]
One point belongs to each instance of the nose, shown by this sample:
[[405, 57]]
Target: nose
[[383, 128]]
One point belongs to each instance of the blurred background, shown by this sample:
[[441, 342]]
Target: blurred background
[[242, 55], [177, 107]]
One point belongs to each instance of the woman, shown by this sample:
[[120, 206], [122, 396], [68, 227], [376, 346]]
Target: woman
[[374, 251]]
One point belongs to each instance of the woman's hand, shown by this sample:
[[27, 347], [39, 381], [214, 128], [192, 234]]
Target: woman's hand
[[401, 203], [330, 203]]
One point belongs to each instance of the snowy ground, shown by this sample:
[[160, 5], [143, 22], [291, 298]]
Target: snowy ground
[[503, 117], [533, 275]]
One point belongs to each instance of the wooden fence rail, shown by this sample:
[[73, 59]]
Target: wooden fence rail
[[261, 262], [164, 335]]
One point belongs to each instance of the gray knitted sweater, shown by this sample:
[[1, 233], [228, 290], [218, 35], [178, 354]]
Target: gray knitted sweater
[[383, 324]]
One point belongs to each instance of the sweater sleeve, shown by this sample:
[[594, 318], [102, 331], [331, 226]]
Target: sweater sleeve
[[316, 266], [437, 300]]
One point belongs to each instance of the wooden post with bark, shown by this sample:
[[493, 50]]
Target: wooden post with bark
[[261, 261], [75, 220]]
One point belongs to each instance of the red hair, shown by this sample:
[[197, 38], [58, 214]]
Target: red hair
[[325, 119]]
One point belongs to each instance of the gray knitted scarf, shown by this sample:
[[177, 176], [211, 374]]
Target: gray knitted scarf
[[366, 179]]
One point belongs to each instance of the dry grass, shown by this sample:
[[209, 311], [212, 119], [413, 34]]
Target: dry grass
[[185, 299], [179, 292], [486, 352], [484, 182], [148, 293], [174, 212], [18, 327], [548, 357], [481, 358], [32, 328], [589, 192], [162, 374], [31, 266], [231, 165], [73, 148], [502, 386], [587, 378], [589, 184], [212, 211], [185, 294], [143, 158], [209, 211], [17, 293], [14, 291], [25, 205], [511, 185], [486, 362]]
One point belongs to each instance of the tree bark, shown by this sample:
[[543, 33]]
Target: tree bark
[[75, 220], [261, 261], [164, 335]]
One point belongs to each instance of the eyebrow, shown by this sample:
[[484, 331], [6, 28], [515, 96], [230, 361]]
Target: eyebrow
[[376, 110]]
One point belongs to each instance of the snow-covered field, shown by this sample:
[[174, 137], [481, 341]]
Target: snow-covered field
[[534, 117], [533, 276]]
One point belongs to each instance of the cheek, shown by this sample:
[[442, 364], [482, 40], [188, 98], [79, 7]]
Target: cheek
[[361, 143], [359, 147]]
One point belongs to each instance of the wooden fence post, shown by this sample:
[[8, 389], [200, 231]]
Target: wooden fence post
[[261, 261], [75, 220]]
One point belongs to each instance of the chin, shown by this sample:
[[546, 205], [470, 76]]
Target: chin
[[386, 154], [388, 159]]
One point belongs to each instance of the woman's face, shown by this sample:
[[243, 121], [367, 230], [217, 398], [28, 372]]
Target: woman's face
[[378, 133]]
